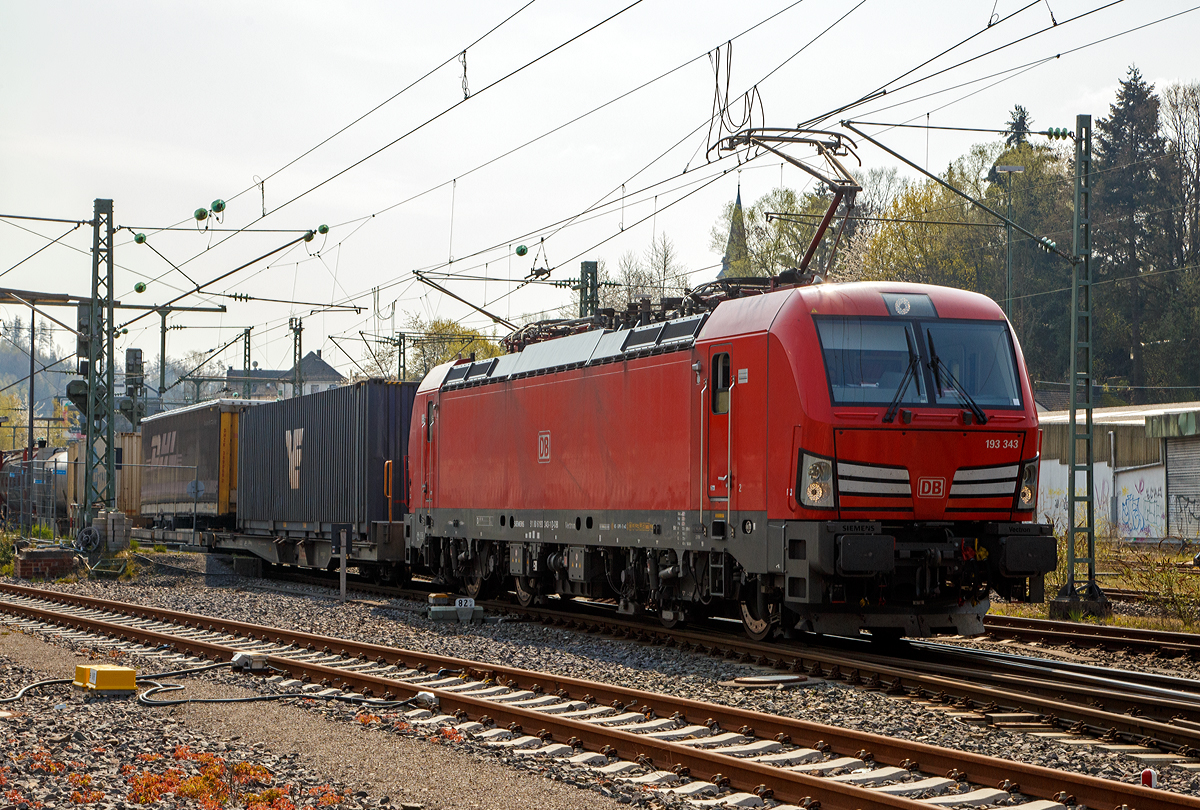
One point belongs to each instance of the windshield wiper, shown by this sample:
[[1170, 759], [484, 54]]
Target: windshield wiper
[[937, 367], [910, 374]]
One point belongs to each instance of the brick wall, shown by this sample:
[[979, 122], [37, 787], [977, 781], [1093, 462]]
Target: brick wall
[[46, 564]]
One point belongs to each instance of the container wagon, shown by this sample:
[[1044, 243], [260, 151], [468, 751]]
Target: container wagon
[[834, 458], [313, 467]]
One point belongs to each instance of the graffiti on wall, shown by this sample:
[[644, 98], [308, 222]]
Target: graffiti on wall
[[1141, 508], [1185, 516], [1129, 504]]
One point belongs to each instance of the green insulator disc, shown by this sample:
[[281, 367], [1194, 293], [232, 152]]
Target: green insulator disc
[[218, 206], [140, 287], [140, 238], [201, 214], [522, 250], [322, 229], [308, 237]]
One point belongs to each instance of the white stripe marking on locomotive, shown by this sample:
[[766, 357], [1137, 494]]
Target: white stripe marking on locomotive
[[988, 474], [864, 471]]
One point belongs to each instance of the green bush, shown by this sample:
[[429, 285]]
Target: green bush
[[7, 555]]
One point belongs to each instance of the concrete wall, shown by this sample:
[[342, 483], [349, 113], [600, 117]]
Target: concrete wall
[[1130, 504]]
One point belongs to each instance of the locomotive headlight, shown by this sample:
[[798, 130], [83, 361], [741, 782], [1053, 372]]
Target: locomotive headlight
[[816, 482], [1027, 494], [819, 471]]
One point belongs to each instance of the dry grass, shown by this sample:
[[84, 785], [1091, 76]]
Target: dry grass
[[1174, 587]]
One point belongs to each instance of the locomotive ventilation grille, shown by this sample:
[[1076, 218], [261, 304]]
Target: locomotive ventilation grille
[[986, 482], [871, 481]]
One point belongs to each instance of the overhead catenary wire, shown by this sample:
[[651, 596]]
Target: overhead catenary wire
[[260, 183], [227, 274], [433, 118], [882, 90], [54, 241], [390, 99], [599, 202], [568, 123], [751, 28], [647, 165]]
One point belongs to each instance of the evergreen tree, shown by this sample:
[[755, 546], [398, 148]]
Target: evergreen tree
[[1019, 124], [1131, 229]]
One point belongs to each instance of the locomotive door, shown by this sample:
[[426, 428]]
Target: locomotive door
[[719, 441], [428, 451]]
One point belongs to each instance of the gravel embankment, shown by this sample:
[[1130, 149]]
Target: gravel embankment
[[61, 750], [531, 645]]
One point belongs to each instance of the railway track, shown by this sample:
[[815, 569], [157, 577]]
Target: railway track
[[1125, 707], [663, 742], [1163, 643]]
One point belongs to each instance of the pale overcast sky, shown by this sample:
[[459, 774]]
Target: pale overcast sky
[[165, 107]]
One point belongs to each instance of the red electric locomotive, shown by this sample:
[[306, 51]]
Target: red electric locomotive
[[834, 458]]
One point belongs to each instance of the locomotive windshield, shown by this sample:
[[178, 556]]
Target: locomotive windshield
[[979, 358], [866, 360]]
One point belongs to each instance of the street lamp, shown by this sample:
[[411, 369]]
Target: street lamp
[[1010, 171]]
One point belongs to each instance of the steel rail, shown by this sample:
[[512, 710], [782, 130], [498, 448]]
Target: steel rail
[[1100, 710], [791, 786], [903, 678], [1077, 633], [1107, 710]]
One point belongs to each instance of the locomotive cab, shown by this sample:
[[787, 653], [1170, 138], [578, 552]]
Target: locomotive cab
[[916, 474]]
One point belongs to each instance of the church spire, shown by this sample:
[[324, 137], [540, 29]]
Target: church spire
[[735, 262]]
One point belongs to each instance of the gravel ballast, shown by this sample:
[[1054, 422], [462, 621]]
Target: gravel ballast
[[318, 757], [403, 624]]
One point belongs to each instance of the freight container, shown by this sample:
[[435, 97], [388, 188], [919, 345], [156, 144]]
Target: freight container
[[324, 466], [127, 464], [333, 457], [189, 458]]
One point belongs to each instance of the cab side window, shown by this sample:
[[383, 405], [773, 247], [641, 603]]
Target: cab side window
[[720, 383]]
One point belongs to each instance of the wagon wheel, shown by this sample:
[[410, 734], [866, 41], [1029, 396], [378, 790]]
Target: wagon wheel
[[525, 591], [758, 627], [395, 575]]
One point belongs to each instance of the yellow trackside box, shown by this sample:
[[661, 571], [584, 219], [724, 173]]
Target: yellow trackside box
[[105, 679]]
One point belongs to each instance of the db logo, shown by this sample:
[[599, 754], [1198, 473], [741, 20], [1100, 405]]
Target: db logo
[[544, 447], [931, 487]]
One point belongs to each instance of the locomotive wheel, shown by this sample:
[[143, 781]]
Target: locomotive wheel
[[758, 627], [525, 593], [678, 619], [478, 586]]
